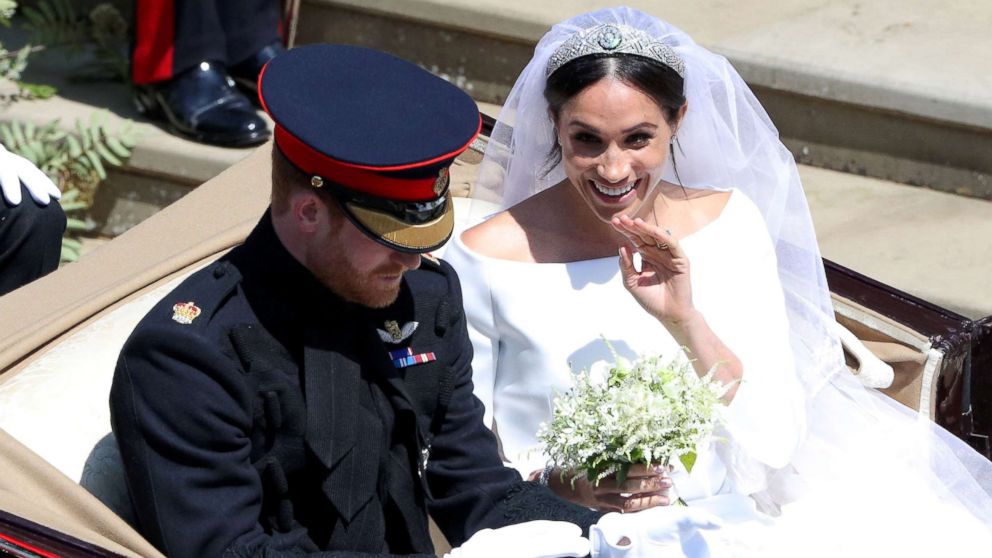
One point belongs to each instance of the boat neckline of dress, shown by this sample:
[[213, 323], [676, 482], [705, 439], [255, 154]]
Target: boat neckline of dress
[[689, 237]]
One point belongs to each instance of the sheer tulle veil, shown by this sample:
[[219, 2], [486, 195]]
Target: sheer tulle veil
[[859, 447]]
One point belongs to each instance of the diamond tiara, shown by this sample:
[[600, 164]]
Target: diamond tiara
[[613, 38]]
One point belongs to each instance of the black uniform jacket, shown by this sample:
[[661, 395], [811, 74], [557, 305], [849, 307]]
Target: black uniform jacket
[[260, 414]]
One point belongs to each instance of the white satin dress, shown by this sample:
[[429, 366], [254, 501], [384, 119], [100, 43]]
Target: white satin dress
[[533, 325]]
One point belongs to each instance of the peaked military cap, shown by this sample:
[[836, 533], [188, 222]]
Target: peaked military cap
[[376, 132]]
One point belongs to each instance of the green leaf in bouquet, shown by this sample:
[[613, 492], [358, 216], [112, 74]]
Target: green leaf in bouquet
[[688, 460], [622, 471]]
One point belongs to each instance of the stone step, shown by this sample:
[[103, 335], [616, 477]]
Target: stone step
[[162, 168], [889, 89]]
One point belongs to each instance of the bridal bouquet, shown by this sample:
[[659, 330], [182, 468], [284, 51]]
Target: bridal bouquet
[[649, 411]]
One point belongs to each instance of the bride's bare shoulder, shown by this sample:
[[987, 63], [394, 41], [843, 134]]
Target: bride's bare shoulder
[[501, 236]]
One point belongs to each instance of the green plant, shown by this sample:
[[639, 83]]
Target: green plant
[[75, 160], [103, 33], [54, 23], [13, 63]]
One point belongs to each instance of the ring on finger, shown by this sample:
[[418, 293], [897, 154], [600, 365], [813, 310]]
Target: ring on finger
[[661, 245]]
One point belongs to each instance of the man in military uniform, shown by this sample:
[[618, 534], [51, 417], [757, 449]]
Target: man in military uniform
[[311, 390]]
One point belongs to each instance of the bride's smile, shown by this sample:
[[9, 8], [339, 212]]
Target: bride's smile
[[616, 193]]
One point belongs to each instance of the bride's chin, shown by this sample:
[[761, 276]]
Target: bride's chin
[[606, 215]]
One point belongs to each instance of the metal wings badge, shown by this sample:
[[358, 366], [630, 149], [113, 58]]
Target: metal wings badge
[[394, 333]]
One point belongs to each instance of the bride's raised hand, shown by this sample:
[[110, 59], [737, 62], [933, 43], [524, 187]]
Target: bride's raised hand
[[662, 285]]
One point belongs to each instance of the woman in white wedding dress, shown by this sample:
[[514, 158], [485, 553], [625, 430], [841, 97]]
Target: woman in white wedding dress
[[623, 140]]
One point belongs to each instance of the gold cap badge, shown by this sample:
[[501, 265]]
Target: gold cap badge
[[442, 181]]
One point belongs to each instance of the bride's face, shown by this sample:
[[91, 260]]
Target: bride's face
[[614, 139]]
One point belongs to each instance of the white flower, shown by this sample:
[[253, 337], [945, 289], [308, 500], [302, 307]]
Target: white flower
[[599, 372], [648, 411]]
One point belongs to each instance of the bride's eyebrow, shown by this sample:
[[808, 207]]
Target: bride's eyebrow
[[593, 129]]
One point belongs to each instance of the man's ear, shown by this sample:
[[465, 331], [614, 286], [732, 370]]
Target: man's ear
[[309, 212]]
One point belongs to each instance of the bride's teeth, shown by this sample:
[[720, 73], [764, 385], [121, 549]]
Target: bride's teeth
[[614, 192]]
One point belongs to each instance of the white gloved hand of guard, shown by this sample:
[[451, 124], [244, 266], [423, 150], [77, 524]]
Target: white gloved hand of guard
[[14, 170], [532, 539], [662, 531]]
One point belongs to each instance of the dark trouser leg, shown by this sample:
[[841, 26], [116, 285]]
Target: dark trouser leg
[[249, 25], [172, 36], [30, 240]]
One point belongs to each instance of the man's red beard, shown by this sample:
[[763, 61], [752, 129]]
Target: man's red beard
[[377, 289]]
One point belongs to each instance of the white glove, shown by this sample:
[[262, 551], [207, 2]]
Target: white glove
[[533, 539], [14, 170], [663, 531]]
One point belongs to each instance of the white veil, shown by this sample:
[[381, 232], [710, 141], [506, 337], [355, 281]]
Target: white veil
[[857, 440]]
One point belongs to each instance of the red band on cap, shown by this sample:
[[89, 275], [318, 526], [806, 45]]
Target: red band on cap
[[314, 163]]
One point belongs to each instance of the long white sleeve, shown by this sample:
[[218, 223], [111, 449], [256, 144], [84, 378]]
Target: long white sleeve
[[765, 421]]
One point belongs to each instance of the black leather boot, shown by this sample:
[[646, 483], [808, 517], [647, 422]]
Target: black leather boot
[[203, 104], [245, 73]]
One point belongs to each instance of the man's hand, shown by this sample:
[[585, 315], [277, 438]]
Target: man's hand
[[15, 170], [662, 531], [532, 539]]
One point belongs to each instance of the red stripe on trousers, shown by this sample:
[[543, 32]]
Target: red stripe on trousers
[[154, 43]]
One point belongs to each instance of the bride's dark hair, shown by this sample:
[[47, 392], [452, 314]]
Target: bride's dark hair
[[656, 80]]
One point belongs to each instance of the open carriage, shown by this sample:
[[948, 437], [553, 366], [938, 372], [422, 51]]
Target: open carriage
[[60, 336]]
